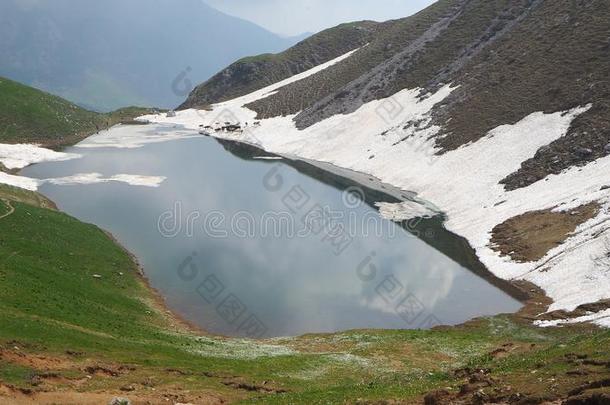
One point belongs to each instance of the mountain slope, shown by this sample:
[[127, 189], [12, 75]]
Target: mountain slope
[[28, 115], [253, 73], [488, 48], [500, 53], [109, 54]]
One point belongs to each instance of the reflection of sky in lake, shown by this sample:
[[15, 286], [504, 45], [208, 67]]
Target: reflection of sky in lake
[[292, 285]]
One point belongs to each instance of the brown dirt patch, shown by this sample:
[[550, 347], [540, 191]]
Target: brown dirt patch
[[529, 237], [264, 387], [79, 398], [34, 361], [482, 386]]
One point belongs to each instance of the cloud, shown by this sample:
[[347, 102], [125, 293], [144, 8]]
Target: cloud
[[292, 17]]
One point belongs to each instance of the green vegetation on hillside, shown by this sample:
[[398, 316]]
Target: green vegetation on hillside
[[77, 319], [28, 115]]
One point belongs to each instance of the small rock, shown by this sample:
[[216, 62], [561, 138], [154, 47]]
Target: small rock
[[543, 150], [607, 148], [584, 152], [128, 388], [577, 372], [119, 401], [97, 276]]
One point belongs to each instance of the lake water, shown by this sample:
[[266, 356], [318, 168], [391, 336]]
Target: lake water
[[244, 246]]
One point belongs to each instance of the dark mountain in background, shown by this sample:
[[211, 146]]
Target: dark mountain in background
[[252, 73], [510, 58], [106, 54]]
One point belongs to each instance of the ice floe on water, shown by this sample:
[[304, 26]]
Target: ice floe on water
[[97, 178], [131, 137], [22, 155], [15, 157], [83, 178]]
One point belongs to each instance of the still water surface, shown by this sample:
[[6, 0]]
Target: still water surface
[[244, 246]]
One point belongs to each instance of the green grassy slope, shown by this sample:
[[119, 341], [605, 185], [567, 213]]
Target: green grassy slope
[[60, 324], [28, 115]]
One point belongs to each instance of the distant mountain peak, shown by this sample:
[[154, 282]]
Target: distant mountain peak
[[112, 53]]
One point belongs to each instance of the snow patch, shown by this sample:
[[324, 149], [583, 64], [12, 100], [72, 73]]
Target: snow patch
[[19, 181], [128, 137], [600, 318], [22, 155]]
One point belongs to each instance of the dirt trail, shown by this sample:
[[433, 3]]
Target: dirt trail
[[11, 209]]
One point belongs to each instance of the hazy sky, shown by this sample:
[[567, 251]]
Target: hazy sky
[[292, 17]]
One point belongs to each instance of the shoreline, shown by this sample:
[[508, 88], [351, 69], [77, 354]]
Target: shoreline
[[157, 301], [535, 302], [525, 291]]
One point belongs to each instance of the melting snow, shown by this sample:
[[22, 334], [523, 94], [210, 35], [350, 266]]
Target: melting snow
[[87, 178], [601, 318], [96, 178], [129, 137], [22, 155], [19, 181]]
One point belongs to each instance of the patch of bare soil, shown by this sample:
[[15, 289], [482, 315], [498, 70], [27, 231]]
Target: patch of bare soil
[[264, 387], [529, 237], [17, 356], [82, 398]]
